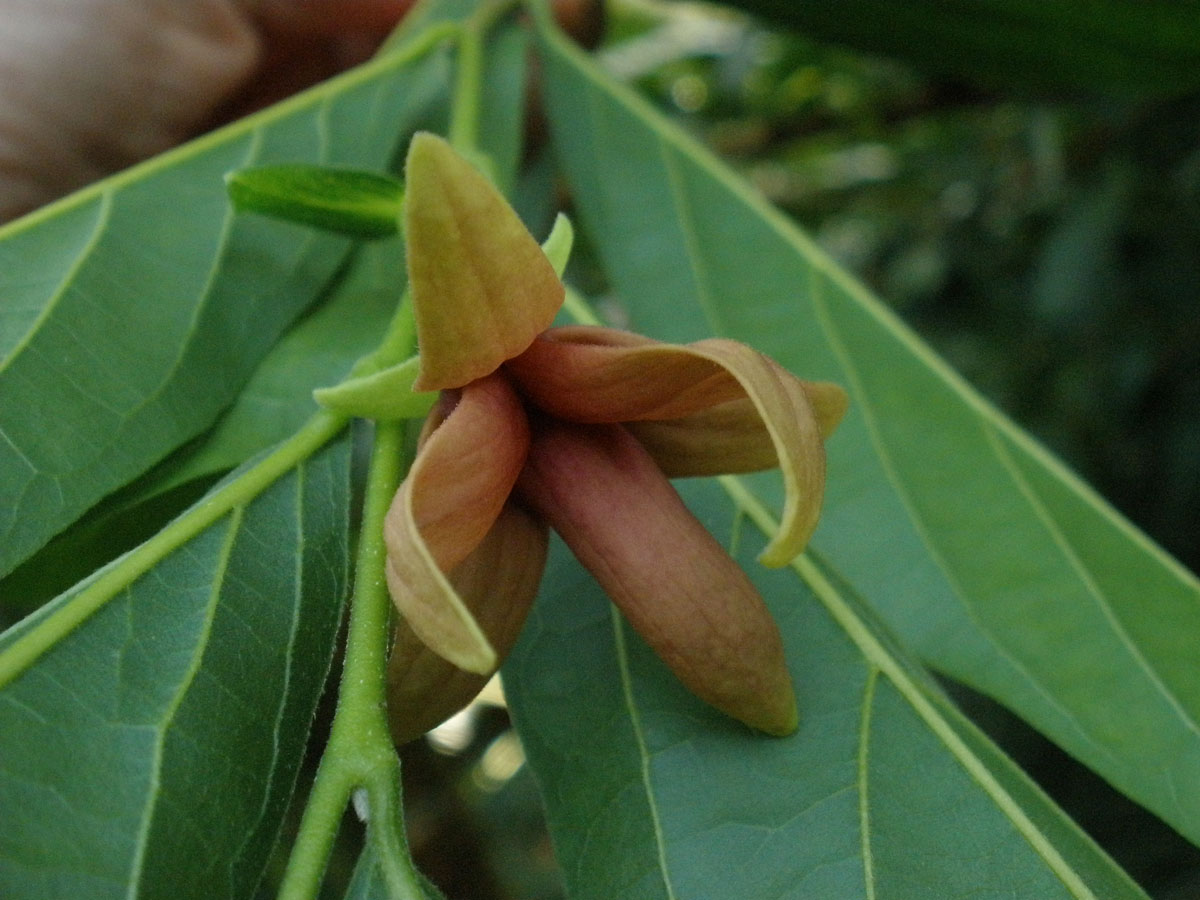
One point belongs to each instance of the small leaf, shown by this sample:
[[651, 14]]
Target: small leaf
[[558, 244], [367, 882], [346, 201], [387, 394]]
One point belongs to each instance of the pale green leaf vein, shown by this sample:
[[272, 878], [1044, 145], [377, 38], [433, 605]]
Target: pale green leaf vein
[[878, 656], [1083, 572], [866, 406], [864, 796], [691, 241], [104, 213], [819, 262], [635, 721], [220, 568], [301, 473]]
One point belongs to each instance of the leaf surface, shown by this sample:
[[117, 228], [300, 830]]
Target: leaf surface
[[153, 750], [884, 791], [135, 310], [988, 558]]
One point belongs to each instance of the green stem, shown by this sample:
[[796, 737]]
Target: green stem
[[468, 85], [360, 752], [57, 621], [61, 620]]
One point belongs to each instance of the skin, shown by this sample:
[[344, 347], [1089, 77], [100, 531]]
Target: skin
[[89, 87]]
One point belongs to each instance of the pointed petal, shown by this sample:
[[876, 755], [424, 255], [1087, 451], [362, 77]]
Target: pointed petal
[[603, 493], [602, 375], [497, 584], [463, 474], [482, 287], [588, 374]]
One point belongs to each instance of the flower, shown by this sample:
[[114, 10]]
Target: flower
[[579, 429]]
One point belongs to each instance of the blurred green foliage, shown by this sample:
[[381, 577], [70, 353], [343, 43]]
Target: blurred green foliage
[[1048, 248]]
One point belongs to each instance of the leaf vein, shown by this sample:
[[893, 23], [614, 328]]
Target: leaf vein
[[1085, 577], [137, 867], [642, 750], [864, 810], [103, 215]]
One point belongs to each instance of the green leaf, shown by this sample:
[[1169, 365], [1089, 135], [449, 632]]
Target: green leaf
[[1107, 47], [318, 350], [386, 394], [884, 791], [989, 559], [153, 750], [345, 201], [135, 310]]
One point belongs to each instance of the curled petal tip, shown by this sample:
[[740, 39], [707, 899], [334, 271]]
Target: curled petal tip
[[830, 403]]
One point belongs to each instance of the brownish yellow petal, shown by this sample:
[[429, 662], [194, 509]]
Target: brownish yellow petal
[[482, 287], [724, 407], [675, 584], [587, 374], [731, 437], [460, 481], [497, 584], [790, 420]]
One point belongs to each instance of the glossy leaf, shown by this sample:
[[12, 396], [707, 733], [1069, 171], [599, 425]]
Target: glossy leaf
[[987, 557], [153, 750], [89, 401], [345, 201]]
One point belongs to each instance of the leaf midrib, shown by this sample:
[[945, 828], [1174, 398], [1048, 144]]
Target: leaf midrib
[[877, 656], [643, 751], [220, 568]]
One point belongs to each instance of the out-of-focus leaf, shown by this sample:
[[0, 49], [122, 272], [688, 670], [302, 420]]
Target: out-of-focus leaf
[[152, 752], [136, 309], [1122, 48], [988, 558]]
